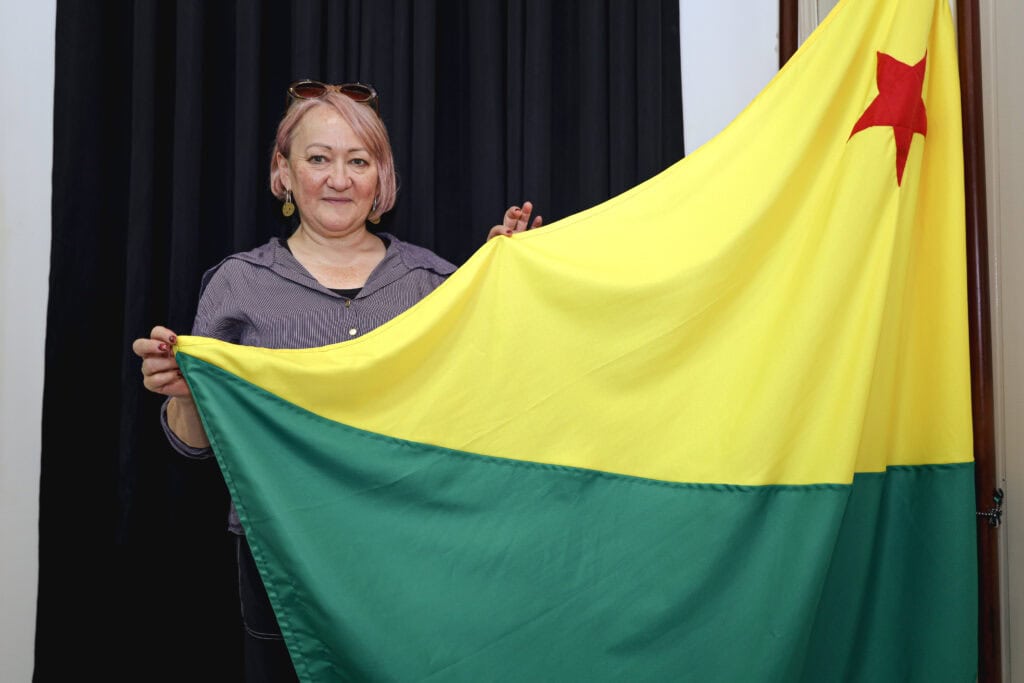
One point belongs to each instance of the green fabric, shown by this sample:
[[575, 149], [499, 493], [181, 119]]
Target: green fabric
[[396, 561]]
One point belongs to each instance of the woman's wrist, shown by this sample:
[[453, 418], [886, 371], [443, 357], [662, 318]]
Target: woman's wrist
[[183, 419]]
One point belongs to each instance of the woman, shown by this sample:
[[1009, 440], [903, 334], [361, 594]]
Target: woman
[[332, 279]]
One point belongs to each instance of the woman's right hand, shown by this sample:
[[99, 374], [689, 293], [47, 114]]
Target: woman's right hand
[[160, 373]]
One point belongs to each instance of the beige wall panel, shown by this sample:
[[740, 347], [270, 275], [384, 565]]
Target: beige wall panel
[[1002, 54]]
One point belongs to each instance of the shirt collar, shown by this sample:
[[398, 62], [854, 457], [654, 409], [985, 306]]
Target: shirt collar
[[399, 259]]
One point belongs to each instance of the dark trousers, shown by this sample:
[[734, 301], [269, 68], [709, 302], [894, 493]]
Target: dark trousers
[[266, 656]]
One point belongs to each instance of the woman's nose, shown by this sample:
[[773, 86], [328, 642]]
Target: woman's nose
[[339, 177]]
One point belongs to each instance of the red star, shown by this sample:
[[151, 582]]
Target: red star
[[898, 104]]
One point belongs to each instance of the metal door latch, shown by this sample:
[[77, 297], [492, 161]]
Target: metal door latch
[[995, 513]]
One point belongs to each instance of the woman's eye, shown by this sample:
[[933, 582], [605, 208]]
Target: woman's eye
[[317, 159], [360, 162]]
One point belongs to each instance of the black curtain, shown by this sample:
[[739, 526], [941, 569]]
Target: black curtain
[[164, 120]]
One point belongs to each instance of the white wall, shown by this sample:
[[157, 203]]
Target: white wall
[[26, 153], [729, 51]]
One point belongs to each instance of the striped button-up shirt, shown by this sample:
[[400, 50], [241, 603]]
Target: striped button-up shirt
[[265, 298]]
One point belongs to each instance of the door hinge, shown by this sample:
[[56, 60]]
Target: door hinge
[[994, 513]]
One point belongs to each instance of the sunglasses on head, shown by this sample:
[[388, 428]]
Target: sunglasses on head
[[312, 90]]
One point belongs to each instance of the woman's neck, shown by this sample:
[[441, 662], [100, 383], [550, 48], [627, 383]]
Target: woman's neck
[[337, 262], [344, 246]]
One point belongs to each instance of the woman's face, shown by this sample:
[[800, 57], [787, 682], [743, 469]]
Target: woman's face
[[331, 174]]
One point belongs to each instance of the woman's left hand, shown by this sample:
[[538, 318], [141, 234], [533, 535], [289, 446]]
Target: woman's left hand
[[517, 219]]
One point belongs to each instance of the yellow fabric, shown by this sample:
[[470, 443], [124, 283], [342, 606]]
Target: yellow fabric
[[773, 309]]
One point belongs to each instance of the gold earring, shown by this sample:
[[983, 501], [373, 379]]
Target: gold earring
[[287, 209], [373, 219]]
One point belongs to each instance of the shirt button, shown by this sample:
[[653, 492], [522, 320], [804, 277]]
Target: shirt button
[[352, 332], [348, 302]]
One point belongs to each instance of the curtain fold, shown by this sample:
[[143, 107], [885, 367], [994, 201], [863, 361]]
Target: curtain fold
[[163, 125]]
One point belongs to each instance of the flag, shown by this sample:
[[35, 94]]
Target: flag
[[716, 428]]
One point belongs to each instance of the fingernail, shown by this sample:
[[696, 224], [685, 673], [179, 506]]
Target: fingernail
[[174, 339], [163, 347]]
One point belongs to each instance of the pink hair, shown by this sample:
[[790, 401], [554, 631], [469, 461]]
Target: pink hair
[[365, 124]]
